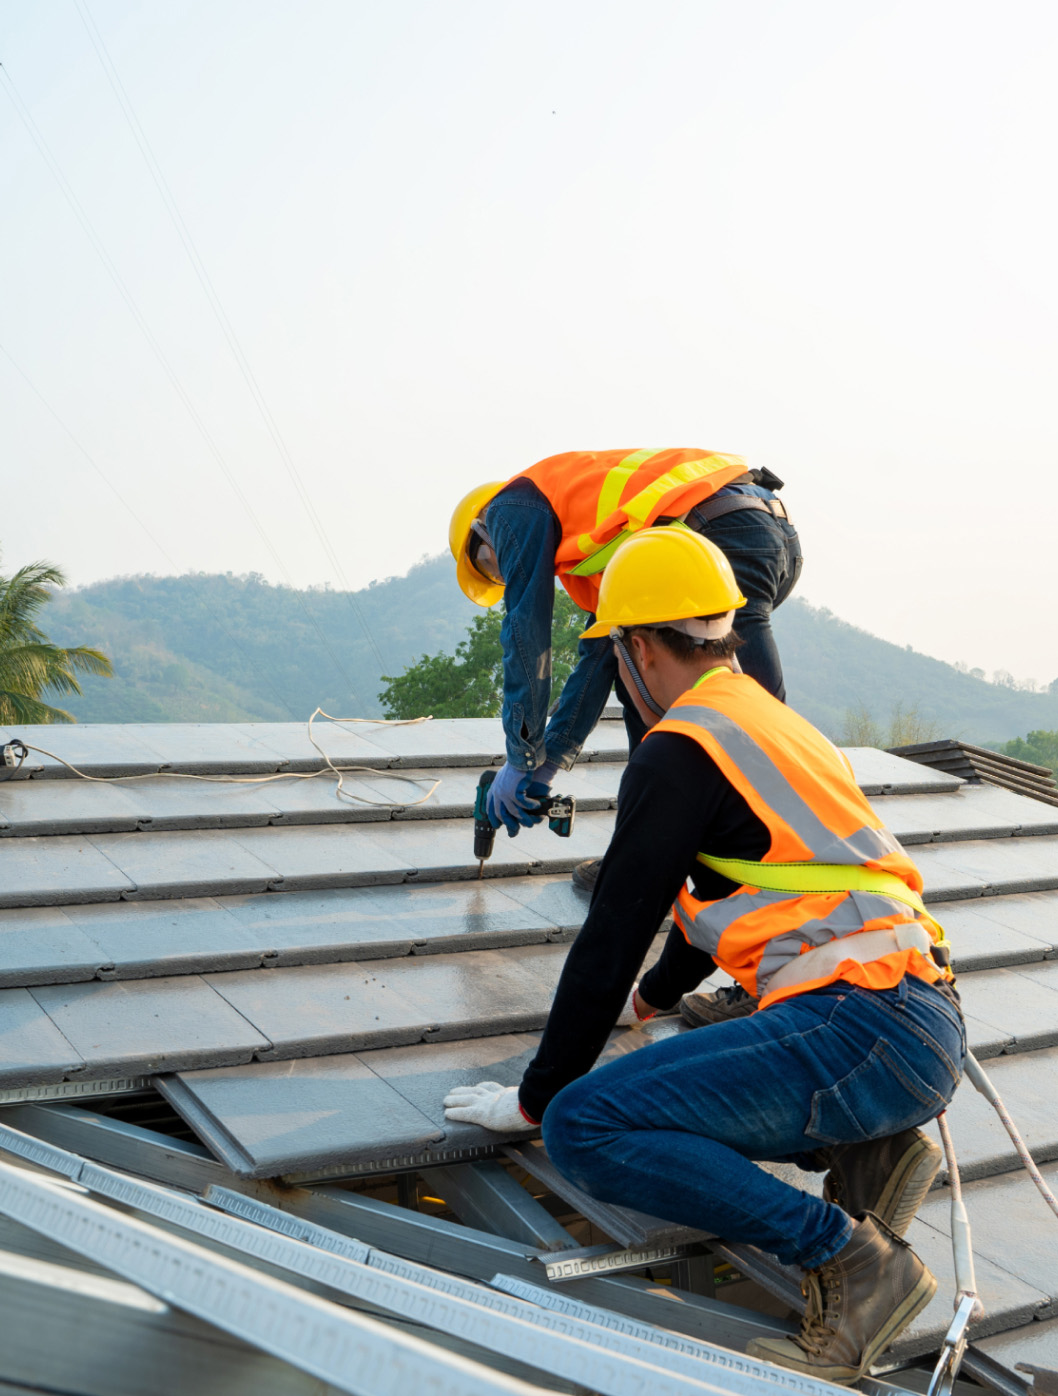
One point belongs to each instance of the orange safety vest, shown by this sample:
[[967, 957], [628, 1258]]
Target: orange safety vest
[[802, 788], [601, 497]]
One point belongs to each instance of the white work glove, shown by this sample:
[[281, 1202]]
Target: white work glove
[[489, 1104], [629, 1017]]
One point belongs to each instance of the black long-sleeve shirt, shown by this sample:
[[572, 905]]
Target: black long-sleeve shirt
[[673, 802]]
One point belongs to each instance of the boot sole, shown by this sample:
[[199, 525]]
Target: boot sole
[[907, 1186], [905, 1312], [696, 1019]]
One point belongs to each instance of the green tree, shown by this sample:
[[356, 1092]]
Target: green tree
[[470, 682], [29, 663], [1040, 748], [906, 727]]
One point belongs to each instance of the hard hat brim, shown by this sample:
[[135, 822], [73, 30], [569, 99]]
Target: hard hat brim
[[474, 586]]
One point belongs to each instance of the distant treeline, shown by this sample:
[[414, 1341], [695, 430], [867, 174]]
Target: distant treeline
[[203, 648]]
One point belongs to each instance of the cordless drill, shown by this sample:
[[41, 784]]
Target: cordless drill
[[560, 811]]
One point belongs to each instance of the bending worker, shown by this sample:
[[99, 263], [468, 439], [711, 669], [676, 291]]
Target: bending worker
[[797, 890], [565, 517]]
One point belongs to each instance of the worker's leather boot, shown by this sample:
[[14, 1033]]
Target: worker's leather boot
[[732, 1001], [889, 1177], [857, 1303], [585, 874]]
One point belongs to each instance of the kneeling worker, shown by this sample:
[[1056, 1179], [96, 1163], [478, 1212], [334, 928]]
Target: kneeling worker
[[799, 891], [564, 517]]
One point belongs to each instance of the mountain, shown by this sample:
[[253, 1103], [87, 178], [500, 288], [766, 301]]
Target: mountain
[[202, 648]]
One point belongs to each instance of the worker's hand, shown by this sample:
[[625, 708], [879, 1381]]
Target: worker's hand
[[636, 1010], [489, 1104], [509, 802]]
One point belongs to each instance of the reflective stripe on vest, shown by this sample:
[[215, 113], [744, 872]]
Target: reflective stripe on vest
[[602, 497], [798, 784]]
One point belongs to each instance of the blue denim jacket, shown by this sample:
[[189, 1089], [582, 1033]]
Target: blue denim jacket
[[526, 536]]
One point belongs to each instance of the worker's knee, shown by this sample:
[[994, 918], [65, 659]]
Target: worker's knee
[[574, 1128]]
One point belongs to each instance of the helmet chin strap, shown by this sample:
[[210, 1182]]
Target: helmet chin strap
[[617, 636]]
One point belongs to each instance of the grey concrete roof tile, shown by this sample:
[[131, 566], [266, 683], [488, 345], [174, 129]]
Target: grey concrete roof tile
[[208, 747], [1032, 914], [282, 1117], [32, 1049], [980, 941], [1028, 1085], [314, 1010], [102, 749], [997, 865], [51, 871], [159, 938], [189, 863], [975, 812], [424, 1075], [1011, 1228], [133, 1027], [326, 856], [879, 772], [346, 746], [169, 802], [1036, 1344], [41, 945], [440, 742], [590, 839], [1009, 1298], [351, 923], [608, 742], [66, 807], [1019, 1006], [295, 800], [493, 991], [444, 851], [552, 896]]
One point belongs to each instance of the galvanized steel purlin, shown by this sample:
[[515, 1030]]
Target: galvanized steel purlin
[[738, 1372], [347, 1349], [682, 1359], [73, 1090], [482, 1316]]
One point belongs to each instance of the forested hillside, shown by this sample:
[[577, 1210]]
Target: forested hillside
[[230, 649]]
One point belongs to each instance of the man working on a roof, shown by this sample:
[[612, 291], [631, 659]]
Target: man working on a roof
[[799, 891], [565, 517]]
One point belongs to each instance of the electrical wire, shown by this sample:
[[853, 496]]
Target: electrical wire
[[221, 316], [251, 663], [174, 380], [330, 768]]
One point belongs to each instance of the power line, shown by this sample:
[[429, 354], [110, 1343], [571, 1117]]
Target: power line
[[182, 231], [177, 385], [136, 519]]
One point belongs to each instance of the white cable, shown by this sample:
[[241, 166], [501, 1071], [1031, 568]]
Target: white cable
[[965, 1279], [972, 1068], [339, 771]]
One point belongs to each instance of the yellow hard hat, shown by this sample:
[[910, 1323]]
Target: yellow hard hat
[[664, 574], [473, 585]]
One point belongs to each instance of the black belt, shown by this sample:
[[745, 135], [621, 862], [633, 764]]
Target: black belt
[[719, 505]]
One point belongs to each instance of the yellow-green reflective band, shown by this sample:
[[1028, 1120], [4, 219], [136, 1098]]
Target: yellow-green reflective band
[[616, 479], [814, 877], [596, 561], [639, 506]]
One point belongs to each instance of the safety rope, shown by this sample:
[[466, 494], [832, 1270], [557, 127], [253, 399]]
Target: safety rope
[[976, 1075], [965, 1279]]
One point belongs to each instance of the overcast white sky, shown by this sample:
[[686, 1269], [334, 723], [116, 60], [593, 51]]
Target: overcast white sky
[[454, 237]]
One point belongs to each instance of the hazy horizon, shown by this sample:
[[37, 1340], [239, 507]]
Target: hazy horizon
[[449, 241]]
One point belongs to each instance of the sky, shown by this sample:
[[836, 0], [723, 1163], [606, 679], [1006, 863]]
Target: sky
[[282, 281]]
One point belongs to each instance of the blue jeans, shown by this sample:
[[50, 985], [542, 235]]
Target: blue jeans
[[672, 1128], [765, 556]]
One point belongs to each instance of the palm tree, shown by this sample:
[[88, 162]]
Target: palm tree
[[29, 662]]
